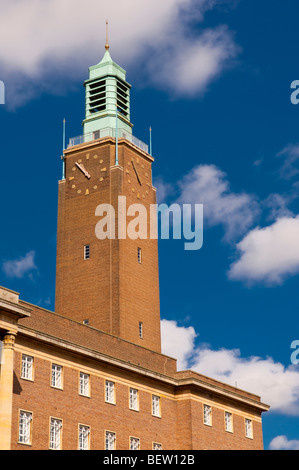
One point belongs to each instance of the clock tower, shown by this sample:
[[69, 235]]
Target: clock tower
[[111, 284]]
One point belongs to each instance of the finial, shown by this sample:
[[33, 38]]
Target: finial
[[107, 43]]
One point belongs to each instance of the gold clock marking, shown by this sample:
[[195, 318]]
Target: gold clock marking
[[87, 191], [95, 187], [101, 179], [71, 178], [87, 156], [101, 161], [79, 191], [73, 186], [104, 169], [74, 168]]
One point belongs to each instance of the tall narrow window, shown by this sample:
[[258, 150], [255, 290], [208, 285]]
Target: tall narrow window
[[134, 443], [55, 434], [139, 255], [87, 252], [156, 409], [56, 379], [134, 399], [207, 413], [140, 330], [110, 392], [27, 367], [228, 422], [110, 440], [248, 428], [25, 427], [84, 384], [84, 432]]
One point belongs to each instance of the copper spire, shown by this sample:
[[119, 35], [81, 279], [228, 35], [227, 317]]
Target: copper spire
[[107, 44]]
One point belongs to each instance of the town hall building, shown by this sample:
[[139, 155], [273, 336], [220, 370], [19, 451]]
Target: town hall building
[[91, 375]]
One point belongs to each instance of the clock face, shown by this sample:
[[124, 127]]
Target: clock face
[[138, 178], [86, 173]]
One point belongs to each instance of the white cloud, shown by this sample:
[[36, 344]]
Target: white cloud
[[208, 185], [19, 268], [289, 168], [277, 205], [177, 341], [52, 43], [277, 385], [268, 254], [283, 443]]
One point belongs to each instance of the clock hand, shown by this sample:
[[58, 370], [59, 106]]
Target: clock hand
[[85, 172], [136, 172]]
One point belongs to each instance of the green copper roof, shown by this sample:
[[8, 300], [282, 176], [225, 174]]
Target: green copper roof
[[106, 67], [107, 97]]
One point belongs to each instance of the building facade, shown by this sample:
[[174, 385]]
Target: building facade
[[92, 375]]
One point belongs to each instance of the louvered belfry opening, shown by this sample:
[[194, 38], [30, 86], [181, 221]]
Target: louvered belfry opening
[[97, 96]]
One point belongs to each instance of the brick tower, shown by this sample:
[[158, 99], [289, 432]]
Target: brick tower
[[110, 284]]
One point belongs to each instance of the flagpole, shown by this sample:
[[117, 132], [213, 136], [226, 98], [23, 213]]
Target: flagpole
[[116, 139], [63, 149], [150, 141]]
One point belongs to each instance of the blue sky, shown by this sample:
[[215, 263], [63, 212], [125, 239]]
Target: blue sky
[[213, 79]]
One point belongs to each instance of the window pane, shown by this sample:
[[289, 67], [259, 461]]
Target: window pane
[[27, 367], [134, 443], [25, 427], [55, 434], [133, 399], [56, 376], [156, 405], [84, 432], [109, 391], [207, 415], [110, 440], [84, 384], [228, 422], [157, 446]]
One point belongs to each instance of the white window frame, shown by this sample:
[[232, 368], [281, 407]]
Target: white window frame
[[228, 418], [207, 415], [27, 367], [84, 384], [134, 399], [55, 434], [110, 440], [134, 443], [248, 428], [84, 440], [156, 406], [110, 392], [56, 376], [25, 427]]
